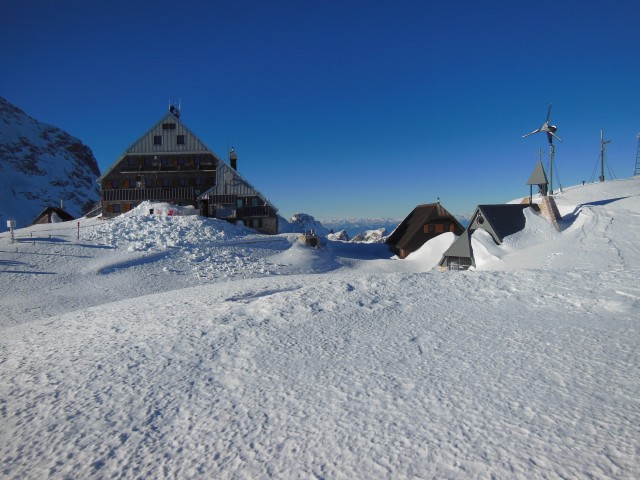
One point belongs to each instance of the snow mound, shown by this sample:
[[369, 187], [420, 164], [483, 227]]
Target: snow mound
[[484, 248], [430, 254], [161, 208], [537, 229]]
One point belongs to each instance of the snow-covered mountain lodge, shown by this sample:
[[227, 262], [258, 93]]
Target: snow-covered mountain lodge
[[169, 163]]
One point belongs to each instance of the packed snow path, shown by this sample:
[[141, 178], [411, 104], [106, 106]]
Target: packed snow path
[[365, 370]]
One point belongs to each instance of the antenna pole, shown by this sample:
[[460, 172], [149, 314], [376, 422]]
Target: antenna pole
[[551, 155], [602, 145], [636, 171]]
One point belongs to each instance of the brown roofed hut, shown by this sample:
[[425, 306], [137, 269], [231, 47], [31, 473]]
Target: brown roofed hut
[[421, 225]]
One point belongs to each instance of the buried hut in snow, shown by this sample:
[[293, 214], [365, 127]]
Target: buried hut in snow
[[422, 224], [499, 221]]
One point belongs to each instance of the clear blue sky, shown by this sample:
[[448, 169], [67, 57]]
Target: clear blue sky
[[341, 108]]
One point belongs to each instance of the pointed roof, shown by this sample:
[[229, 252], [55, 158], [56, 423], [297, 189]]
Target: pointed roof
[[168, 128], [538, 176], [499, 220], [405, 233], [460, 248]]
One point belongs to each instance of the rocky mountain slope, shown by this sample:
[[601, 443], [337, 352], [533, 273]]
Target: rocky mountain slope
[[40, 165]]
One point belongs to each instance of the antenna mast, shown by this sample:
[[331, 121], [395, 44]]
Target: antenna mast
[[602, 145], [636, 171]]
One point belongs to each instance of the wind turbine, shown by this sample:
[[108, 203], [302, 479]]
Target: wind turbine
[[550, 130]]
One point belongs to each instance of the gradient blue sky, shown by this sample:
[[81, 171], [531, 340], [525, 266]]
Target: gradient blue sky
[[341, 108]]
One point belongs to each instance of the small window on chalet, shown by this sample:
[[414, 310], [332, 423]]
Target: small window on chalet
[[116, 208], [115, 183], [180, 139], [239, 202], [132, 162], [157, 139], [164, 161], [196, 160], [148, 182], [165, 182], [183, 182], [148, 162], [430, 228], [198, 181], [168, 126], [254, 202], [182, 161]]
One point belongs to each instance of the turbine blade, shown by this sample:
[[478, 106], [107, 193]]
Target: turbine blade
[[535, 131], [549, 112], [555, 136]]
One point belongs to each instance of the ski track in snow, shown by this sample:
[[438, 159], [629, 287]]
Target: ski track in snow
[[279, 361]]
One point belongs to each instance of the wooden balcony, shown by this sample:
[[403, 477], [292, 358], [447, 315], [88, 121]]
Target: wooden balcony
[[140, 194]]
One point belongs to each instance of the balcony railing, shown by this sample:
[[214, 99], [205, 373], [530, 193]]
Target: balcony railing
[[140, 194], [257, 211]]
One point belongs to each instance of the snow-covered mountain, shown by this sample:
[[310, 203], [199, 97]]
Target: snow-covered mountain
[[301, 223], [40, 165], [176, 346], [355, 226]]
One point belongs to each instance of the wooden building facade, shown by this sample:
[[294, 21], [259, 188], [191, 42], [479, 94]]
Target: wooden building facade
[[421, 225], [171, 164]]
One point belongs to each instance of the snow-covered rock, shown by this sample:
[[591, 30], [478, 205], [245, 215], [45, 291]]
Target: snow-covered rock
[[41, 165], [340, 236], [371, 236], [300, 223]]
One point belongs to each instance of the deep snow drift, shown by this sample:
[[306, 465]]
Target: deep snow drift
[[176, 346]]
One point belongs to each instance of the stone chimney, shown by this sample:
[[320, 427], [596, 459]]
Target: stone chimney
[[233, 159]]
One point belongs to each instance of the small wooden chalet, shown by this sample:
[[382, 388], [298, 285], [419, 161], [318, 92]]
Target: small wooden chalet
[[171, 164], [499, 221], [422, 224], [53, 215]]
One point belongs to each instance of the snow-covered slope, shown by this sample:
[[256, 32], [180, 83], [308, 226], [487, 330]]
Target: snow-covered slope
[[181, 347], [41, 165]]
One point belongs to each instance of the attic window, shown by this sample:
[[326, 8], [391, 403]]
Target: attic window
[[180, 139], [168, 126], [480, 220], [157, 139]]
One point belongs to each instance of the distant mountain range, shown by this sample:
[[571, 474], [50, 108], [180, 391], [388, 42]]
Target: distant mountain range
[[40, 165]]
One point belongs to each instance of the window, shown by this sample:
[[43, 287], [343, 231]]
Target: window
[[164, 161], [182, 161], [198, 181], [116, 208], [196, 160], [168, 126], [165, 182], [430, 228], [239, 202], [148, 162], [180, 139], [254, 202], [148, 182], [115, 183], [157, 139], [132, 162], [183, 182]]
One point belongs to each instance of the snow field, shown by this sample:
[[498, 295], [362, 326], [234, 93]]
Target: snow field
[[159, 347]]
